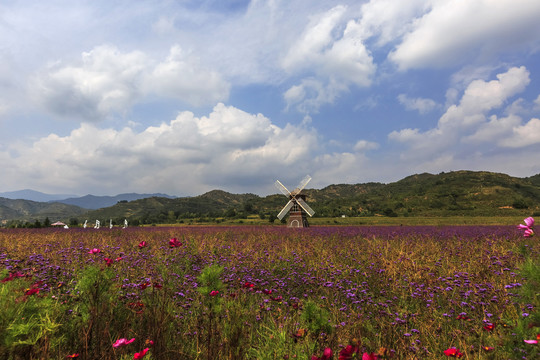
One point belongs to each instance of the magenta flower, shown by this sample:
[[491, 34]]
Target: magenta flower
[[94, 251], [174, 243], [531, 341], [141, 354], [214, 293], [31, 291], [108, 261], [369, 356], [528, 227], [122, 342], [453, 352], [143, 244]]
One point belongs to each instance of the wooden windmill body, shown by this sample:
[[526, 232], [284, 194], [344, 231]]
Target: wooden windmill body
[[297, 206]]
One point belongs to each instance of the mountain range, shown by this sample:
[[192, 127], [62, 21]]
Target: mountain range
[[458, 193]]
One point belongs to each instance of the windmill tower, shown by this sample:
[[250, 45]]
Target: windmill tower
[[296, 207]]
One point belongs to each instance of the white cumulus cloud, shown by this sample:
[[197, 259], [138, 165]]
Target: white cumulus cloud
[[107, 81], [228, 148], [456, 31]]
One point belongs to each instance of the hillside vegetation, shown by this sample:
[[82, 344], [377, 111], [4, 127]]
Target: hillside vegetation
[[459, 193]]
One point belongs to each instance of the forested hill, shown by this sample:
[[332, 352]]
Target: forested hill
[[464, 193], [445, 194]]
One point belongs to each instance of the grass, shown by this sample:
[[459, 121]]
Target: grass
[[268, 292]]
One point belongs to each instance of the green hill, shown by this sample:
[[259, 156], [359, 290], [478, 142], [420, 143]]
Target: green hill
[[458, 193]]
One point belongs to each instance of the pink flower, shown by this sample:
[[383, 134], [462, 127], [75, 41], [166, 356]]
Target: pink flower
[[453, 352], [31, 291], [528, 227], [371, 356], [174, 243], [108, 261], [214, 293], [529, 223], [94, 251], [122, 342], [327, 354], [141, 354], [348, 352], [531, 342], [143, 244]]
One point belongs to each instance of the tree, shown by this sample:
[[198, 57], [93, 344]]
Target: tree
[[47, 222]]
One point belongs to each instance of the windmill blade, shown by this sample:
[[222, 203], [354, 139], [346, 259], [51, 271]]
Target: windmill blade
[[305, 206], [302, 184], [282, 188], [285, 210]]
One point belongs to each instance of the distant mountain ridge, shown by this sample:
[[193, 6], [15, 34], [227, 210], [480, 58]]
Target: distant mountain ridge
[[34, 195], [94, 202]]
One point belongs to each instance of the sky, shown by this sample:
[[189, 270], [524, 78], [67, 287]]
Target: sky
[[186, 96]]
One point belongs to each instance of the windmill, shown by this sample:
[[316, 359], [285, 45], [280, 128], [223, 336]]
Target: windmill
[[296, 206]]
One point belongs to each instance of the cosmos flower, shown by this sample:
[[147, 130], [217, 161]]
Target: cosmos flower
[[371, 356], [174, 243], [453, 352], [247, 284], [528, 227], [533, 341], [327, 355], [94, 251], [214, 293], [143, 244], [108, 261], [529, 223], [72, 356], [122, 342], [31, 291], [489, 326], [348, 352], [141, 354]]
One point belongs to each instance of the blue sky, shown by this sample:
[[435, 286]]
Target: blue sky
[[183, 97]]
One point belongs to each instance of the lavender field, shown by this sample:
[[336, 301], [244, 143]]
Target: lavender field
[[269, 293]]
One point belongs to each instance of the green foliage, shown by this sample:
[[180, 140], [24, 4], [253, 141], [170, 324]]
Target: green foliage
[[526, 320], [316, 319], [28, 323], [210, 281]]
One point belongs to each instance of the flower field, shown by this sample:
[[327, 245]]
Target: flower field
[[269, 293]]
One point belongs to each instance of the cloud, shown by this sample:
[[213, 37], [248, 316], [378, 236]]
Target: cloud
[[332, 51], [467, 120], [364, 145], [422, 105], [524, 135], [108, 81], [479, 31], [229, 148], [388, 20]]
